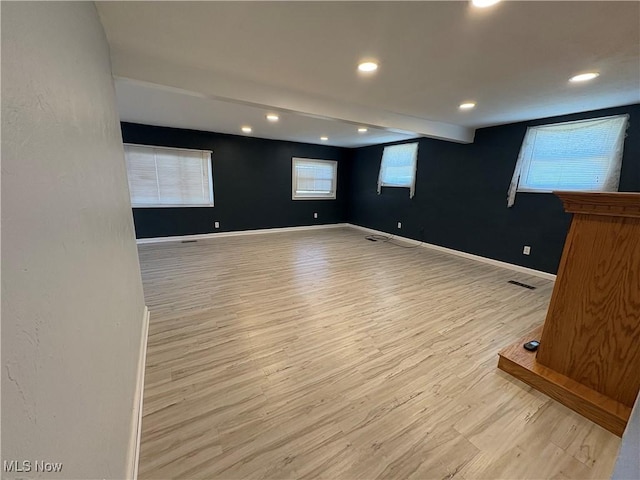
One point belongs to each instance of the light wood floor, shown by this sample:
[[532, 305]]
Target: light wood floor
[[320, 354]]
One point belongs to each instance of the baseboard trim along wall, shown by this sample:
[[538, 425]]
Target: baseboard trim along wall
[[470, 256], [204, 236], [136, 422]]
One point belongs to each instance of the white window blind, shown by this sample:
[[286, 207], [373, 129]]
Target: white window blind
[[168, 177], [585, 155], [312, 178], [398, 167]]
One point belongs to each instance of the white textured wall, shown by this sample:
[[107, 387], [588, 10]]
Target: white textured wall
[[628, 463], [72, 301]]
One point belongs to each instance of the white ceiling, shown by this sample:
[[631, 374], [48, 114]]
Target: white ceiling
[[220, 65], [151, 104]]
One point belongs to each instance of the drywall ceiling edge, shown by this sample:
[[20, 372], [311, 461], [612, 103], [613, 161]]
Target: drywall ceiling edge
[[222, 86]]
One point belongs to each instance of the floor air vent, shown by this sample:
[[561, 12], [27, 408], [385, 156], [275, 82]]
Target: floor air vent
[[524, 285]]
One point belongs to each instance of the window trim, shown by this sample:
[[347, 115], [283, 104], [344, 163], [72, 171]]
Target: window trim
[[412, 185], [294, 178], [515, 188], [177, 205]]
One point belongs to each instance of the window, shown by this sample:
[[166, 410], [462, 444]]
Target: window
[[168, 177], [398, 167], [584, 155], [313, 179]]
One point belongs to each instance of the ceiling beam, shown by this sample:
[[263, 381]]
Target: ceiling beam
[[226, 87]]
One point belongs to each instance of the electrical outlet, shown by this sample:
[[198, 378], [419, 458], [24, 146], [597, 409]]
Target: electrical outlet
[[315, 214], [526, 250], [399, 224], [216, 224]]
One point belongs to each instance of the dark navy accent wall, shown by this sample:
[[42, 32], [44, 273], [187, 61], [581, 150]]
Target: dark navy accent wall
[[461, 195], [460, 200], [251, 181]]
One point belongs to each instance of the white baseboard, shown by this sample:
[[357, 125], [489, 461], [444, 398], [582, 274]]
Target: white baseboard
[[470, 256], [203, 236], [478, 258], [136, 422]]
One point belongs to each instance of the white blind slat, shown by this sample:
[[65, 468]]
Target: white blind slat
[[167, 176], [398, 167], [142, 176], [314, 178], [584, 156]]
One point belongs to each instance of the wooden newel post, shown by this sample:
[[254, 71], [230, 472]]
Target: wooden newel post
[[589, 354]]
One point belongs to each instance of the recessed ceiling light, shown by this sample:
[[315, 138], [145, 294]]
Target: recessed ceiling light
[[368, 67], [484, 3], [324, 139], [247, 129], [362, 130], [272, 117], [584, 77], [467, 106]]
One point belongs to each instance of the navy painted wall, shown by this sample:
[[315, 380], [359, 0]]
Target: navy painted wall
[[461, 195], [460, 199], [251, 184]]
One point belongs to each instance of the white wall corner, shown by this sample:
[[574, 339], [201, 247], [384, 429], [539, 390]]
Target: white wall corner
[[136, 417]]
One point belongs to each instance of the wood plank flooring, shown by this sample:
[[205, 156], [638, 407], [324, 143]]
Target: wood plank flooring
[[320, 354]]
